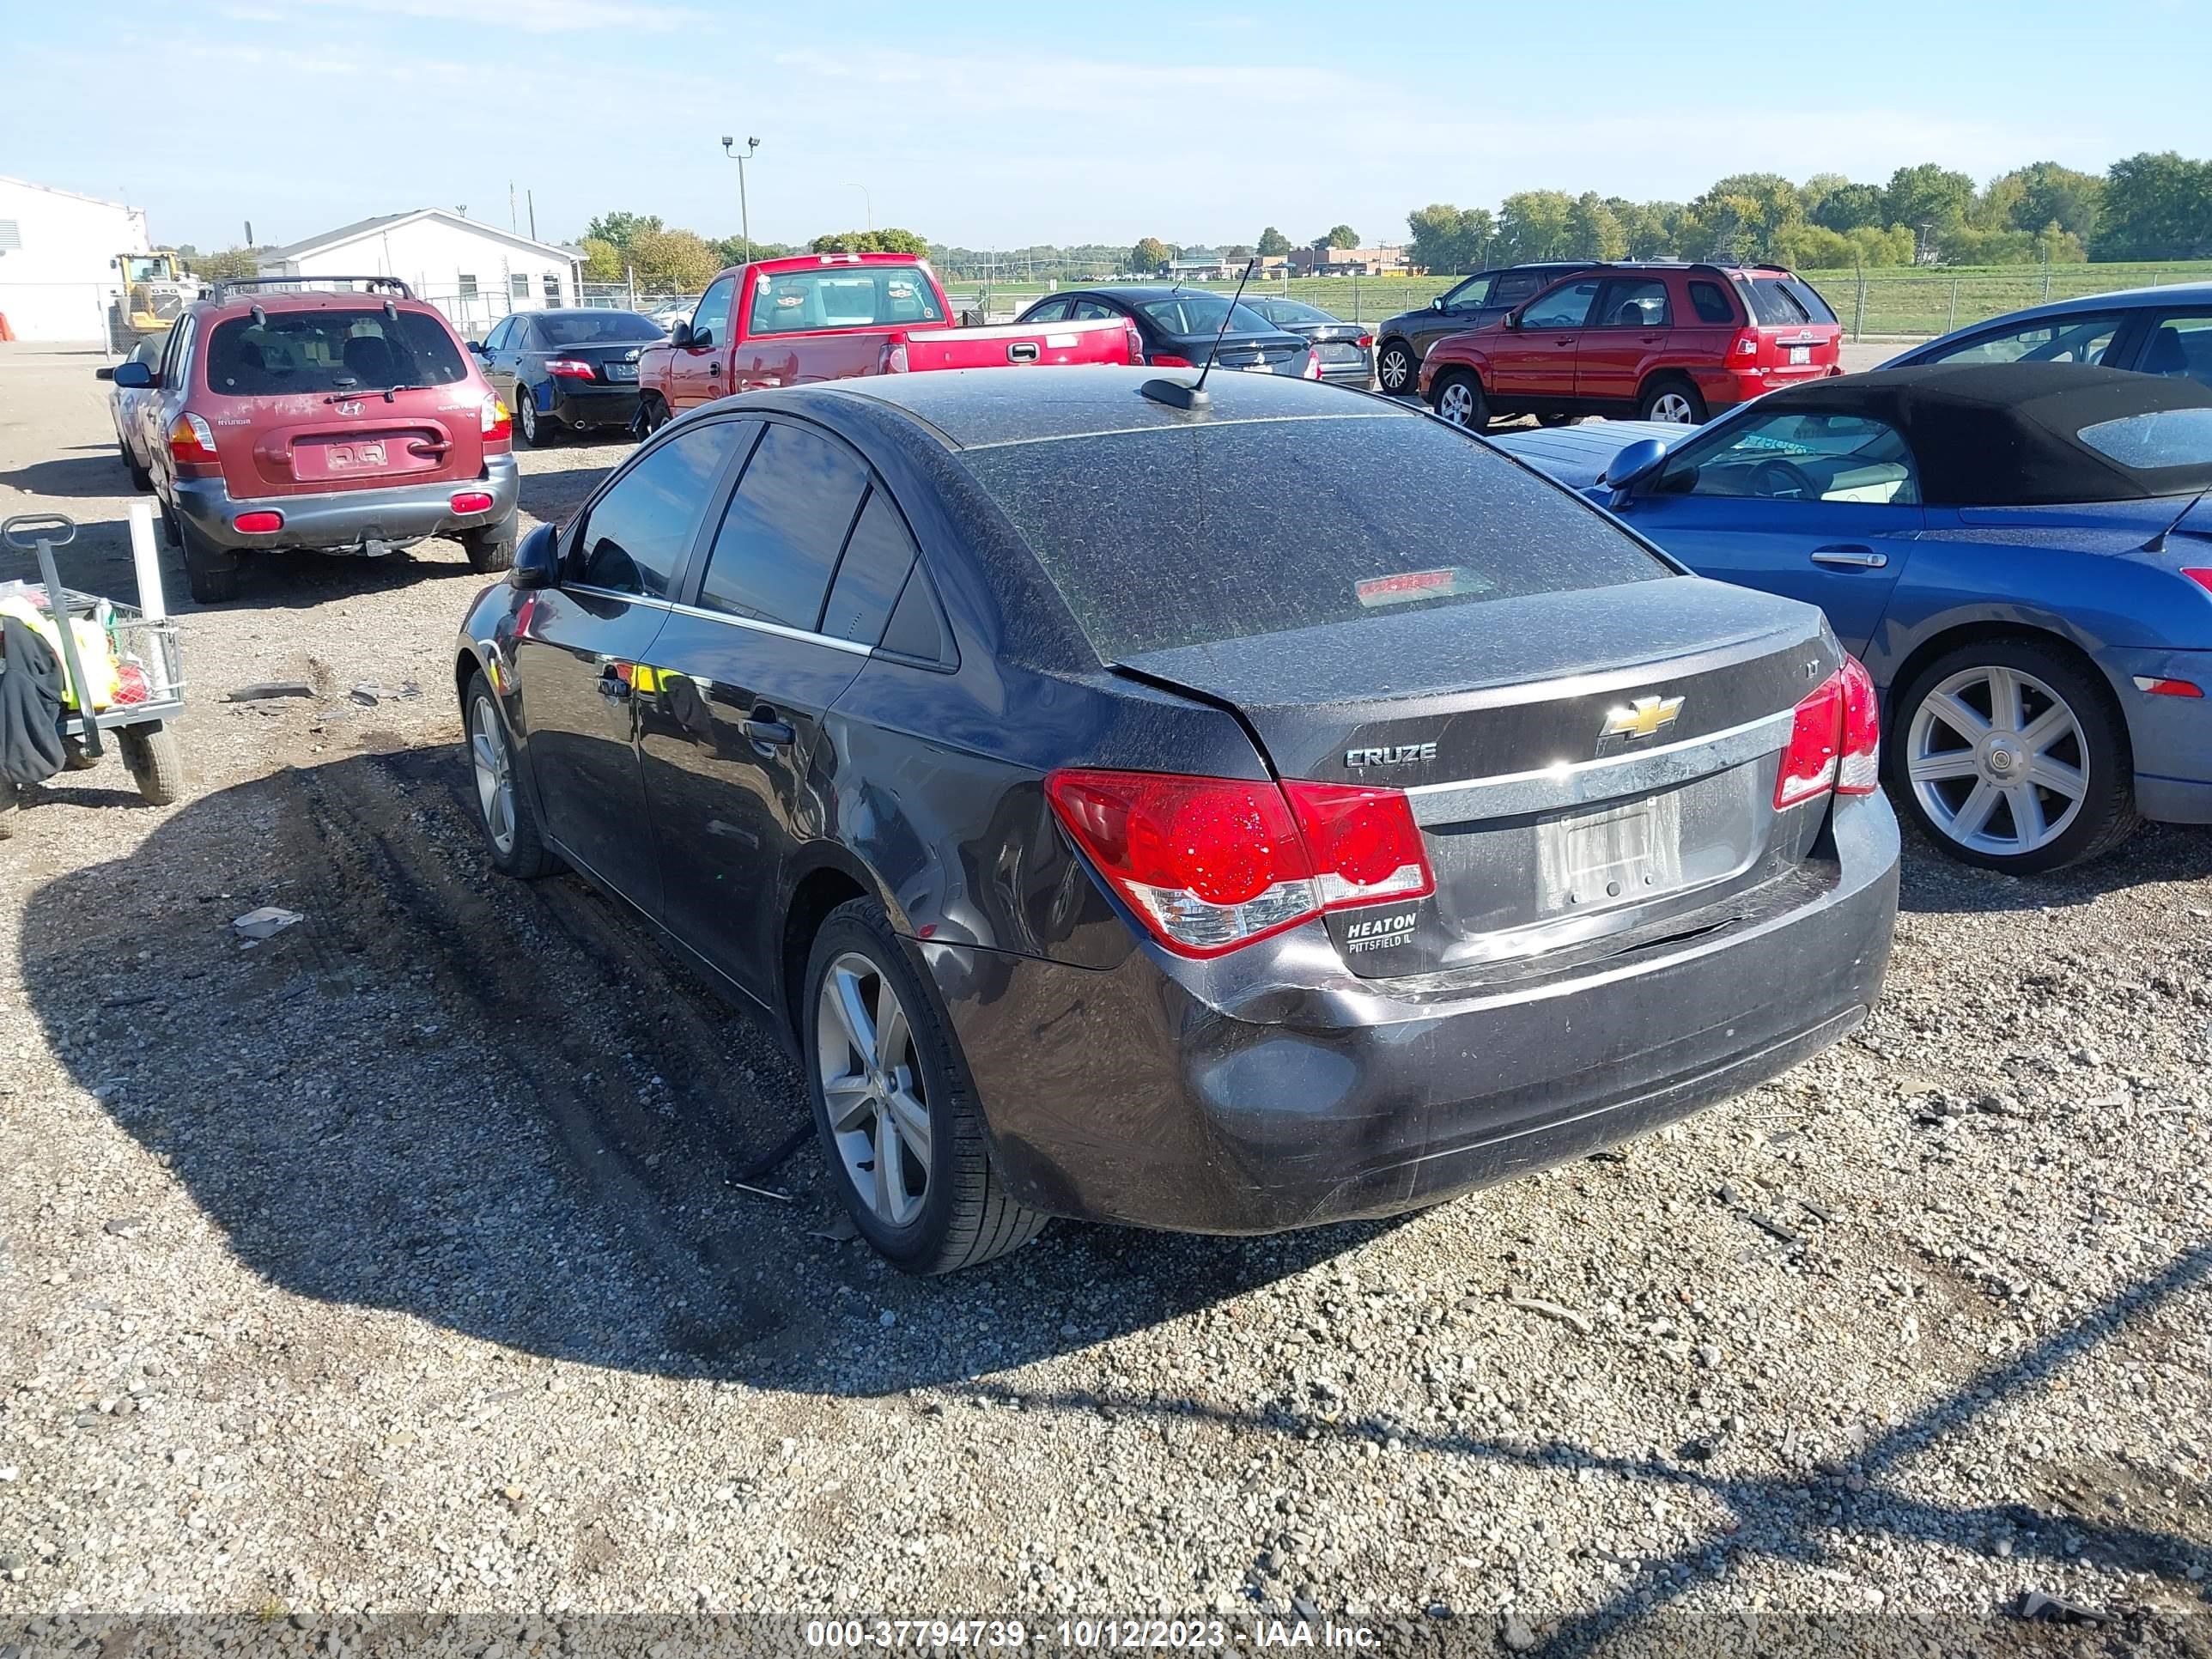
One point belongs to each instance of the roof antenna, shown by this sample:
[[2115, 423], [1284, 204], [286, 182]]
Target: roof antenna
[[2157, 544], [1174, 393], [260, 317]]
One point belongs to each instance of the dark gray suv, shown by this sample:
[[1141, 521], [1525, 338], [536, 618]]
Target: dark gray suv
[[1401, 342]]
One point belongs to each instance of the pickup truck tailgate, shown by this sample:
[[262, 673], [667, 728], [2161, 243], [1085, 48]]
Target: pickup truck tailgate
[[1107, 341]]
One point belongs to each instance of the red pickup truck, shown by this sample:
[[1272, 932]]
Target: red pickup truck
[[832, 316]]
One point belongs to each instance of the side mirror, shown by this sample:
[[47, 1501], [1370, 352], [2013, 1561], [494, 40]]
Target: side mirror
[[479, 348], [1632, 466], [680, 335], [129, 374], [1513, 320], [106, 374], [701, 338], [1437, 304], [537, 560]]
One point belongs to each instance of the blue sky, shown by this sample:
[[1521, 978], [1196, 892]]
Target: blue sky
[[978, 124]]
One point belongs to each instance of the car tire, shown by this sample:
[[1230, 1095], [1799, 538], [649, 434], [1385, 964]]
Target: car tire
[[508, 815], [961, 1215], [491, 549], [1557, 419], [10, 797], [141, 479], [172, 530], [652, 414], [1396, 373], [1673, 400], [1456, 397], [532, 429], [1947, 759], [155, 761], [211, 572]]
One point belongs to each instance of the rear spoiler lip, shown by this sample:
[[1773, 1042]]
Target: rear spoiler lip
[[223, 285]]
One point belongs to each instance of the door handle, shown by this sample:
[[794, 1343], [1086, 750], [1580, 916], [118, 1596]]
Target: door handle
[[762, 727], [1850, 558]]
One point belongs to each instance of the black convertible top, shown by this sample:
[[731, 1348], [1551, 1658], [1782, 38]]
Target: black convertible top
[[2009, 434]]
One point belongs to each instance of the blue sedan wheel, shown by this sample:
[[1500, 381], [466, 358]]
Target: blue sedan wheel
[[2011, 758]]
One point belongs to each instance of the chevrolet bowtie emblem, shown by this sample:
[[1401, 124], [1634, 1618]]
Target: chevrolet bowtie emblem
[[1645, 717]]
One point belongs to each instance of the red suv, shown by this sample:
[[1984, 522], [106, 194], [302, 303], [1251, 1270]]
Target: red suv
[[348, 421], [1658, 342]]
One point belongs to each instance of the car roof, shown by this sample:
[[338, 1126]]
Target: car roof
[[240, 305], [973, 408], [579, 311], [2124, 299], [1989, 434]]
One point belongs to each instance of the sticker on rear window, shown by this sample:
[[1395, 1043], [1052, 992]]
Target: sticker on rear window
[[1410, 584]]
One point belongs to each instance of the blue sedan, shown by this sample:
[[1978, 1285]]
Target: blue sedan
[[2152, 330], [2021, 554]]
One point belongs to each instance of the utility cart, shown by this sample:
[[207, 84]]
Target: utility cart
[[137, 678]]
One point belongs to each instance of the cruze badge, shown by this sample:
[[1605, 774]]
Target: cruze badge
[[1402, 755], [1646, 717]]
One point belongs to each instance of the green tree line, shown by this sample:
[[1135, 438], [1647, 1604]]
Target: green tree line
[[618, 246], [2144, 207]]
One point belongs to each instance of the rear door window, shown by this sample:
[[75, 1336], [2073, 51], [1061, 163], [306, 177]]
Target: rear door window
[[1711, 304], [1051, 311], [1183, 536], [2179, 345], [330, 350], [638, 536], [1635, 302], [1514, 287], [878, 554], [786, 522], [2056, 340]]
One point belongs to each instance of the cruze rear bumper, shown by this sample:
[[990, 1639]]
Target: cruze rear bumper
[[351, 520], [1121, 1095]]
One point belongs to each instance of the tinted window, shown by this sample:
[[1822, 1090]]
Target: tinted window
[[2153, 442], [878, 555], [334, 350], [842, 297], [2061, 340], [1641, 303], [1711, 304], [713, 311], [779, 538], [573, 328], [1515, 286], [498, 339], [1801, 457], [1784, 302], [2180, 346], [1294, 310], [1569, 307], [1178, 537], [1201, 314], [638, 533], [1049, 310], [1090, 311]]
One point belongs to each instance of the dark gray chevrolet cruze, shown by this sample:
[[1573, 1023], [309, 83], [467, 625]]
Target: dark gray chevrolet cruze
[[1140, 814]]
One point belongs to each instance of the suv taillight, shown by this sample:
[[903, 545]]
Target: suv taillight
[[493, 420], [1835, 740], [192, 442], [1211, 864], [1745, 344]]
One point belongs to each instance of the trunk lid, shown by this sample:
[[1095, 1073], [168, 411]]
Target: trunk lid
[[1584, 766]]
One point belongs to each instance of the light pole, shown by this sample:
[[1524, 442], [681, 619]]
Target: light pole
[[744, 211], [868, 199]]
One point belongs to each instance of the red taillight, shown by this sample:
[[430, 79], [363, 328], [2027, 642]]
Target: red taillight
[[1134, 341], [1745, 344], [1835, 740], [472, 501], [1364, 341], [1213, 863], [570, 368], [2158, 686], [1163, 360], [192, 442], [2201, 578], [493, 420], [258, 524], [895, 358], [1312, 370]]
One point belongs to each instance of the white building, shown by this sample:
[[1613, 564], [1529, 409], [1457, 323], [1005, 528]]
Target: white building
[[474, 272], [57, 254]]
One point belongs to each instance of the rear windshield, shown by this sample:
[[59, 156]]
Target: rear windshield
[[1784, 301], [846, 298], [1201, 314], [1291, 311], [330, 351], [1175, 537], [2157, 442], [607, 328]]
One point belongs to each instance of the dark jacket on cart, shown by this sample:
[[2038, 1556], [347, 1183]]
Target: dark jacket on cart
[[30, 705]]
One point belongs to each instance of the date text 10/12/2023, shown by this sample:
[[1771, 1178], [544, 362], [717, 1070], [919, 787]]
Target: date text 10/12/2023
[[1007, 1635]]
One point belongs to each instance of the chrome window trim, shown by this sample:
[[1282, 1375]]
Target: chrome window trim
[[852, 647], [1638, 772]]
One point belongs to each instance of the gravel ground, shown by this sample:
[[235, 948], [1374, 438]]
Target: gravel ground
[[401, 1264]]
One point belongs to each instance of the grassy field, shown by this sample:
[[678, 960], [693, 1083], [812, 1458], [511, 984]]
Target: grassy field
[[1891, 301]]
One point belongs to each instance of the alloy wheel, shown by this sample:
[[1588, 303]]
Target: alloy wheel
[[1457, 404], [1674, 407], [1395, 370], [872, 1087], [495, 775], [1997, 760], [525, 412]]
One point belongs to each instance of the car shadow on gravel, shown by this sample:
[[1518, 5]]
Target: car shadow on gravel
[[1934, 885], [504, 1109]]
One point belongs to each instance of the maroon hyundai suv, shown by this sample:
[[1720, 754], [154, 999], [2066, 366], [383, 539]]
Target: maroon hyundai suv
[[348, 421]]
